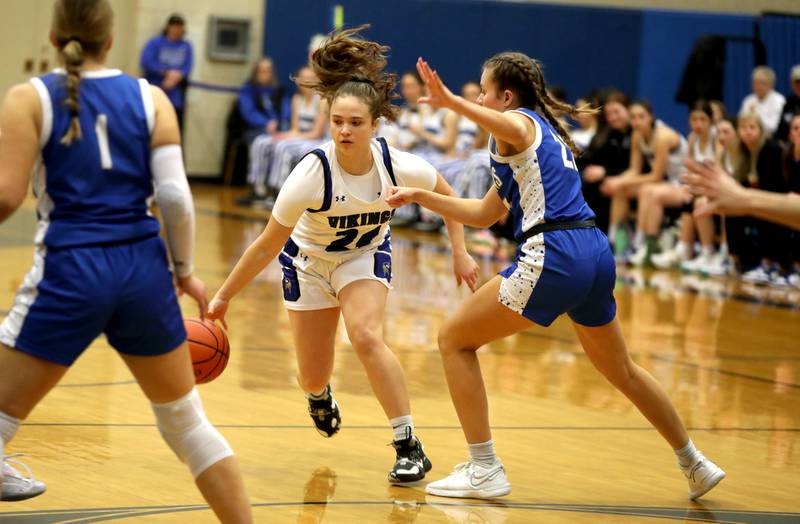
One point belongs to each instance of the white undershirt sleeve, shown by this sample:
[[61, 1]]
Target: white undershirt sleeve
[[303, 189], [174, 199], [413, 171]]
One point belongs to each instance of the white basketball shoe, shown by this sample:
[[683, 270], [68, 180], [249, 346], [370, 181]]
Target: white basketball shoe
[[703, 475], [16, 486], [472, 480]]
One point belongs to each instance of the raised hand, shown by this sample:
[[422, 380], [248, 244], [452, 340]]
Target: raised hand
[[722, 192], [438, 93]]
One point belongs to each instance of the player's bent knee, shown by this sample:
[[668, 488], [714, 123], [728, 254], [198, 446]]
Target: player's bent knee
[[448, 339], [184, 426], [366, 341]]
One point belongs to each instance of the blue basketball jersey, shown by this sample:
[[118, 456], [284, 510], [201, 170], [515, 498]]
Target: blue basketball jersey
[[542, 183], [96, 190]]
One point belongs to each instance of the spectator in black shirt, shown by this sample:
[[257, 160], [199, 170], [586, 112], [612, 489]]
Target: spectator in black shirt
[[608, 154], [792, 106], [759, 166]]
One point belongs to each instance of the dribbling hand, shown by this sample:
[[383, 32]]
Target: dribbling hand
[[195, 288], [217, 309], [438, 93]]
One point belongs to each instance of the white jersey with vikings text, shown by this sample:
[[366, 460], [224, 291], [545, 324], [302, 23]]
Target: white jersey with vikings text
[[351, 225]]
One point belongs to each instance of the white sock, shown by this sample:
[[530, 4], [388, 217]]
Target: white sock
[[687, 455], [638, 239], [8, 428], [612, 232], [683, 249], [403, 427], [707, 251], [482, 453], [319, 395]]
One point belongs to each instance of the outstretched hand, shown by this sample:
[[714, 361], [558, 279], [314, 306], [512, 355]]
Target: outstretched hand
[[723, 193], [400, 196], [438, 93]]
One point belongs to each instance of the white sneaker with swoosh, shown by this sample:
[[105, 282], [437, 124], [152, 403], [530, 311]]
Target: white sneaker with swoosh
[[703, 476], [472, 480]]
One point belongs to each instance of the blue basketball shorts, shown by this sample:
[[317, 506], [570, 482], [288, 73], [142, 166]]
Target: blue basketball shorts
[[70, 296], [566, 271]]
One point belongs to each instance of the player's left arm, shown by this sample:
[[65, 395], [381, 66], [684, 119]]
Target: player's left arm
[[464, 267], [19, 145]]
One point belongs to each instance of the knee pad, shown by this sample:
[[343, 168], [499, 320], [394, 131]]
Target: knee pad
[[184, 426]]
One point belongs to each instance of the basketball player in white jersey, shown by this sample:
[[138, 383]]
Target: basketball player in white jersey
[[330, 230]]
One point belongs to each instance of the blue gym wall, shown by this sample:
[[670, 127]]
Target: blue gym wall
[[641, 52]]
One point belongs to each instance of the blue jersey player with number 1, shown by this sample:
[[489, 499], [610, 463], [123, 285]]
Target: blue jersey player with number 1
[[330, 230], [563, 265], [101, 142]]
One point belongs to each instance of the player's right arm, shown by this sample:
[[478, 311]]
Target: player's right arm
[[257, 256], [20, 118], [301, 191]]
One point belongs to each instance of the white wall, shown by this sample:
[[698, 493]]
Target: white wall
[[206, 111]]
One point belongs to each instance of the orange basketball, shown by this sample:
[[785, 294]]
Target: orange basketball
[[209, 347]]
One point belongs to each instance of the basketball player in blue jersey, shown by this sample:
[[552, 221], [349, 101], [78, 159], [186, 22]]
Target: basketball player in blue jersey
[[330, 230], [101, 142], [563, 265]]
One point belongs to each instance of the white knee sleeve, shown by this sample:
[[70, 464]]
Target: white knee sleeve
[[184, 426]]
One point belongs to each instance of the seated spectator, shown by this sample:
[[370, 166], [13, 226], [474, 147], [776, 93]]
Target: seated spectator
[[727, 148], [702, 146], [259, 101], [719, 111], [608, 154], [792, 106], [167, 61], [764, 102], [587, 122], [308, 123], [399, 134], [791, 166], [759, 166], [466, 165], [665, 150]]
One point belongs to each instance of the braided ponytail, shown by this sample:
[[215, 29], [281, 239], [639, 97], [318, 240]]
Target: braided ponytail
[[73, 63], [82, 29], [523, 76]]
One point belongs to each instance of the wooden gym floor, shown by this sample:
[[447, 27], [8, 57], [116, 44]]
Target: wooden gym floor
[[574, 448]]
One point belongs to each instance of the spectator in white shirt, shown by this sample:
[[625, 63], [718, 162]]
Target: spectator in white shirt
[[764, 101]]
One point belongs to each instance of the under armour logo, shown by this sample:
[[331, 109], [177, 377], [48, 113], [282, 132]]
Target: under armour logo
[[340, 198]]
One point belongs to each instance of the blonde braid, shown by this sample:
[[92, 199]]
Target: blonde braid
[[73, 62]]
